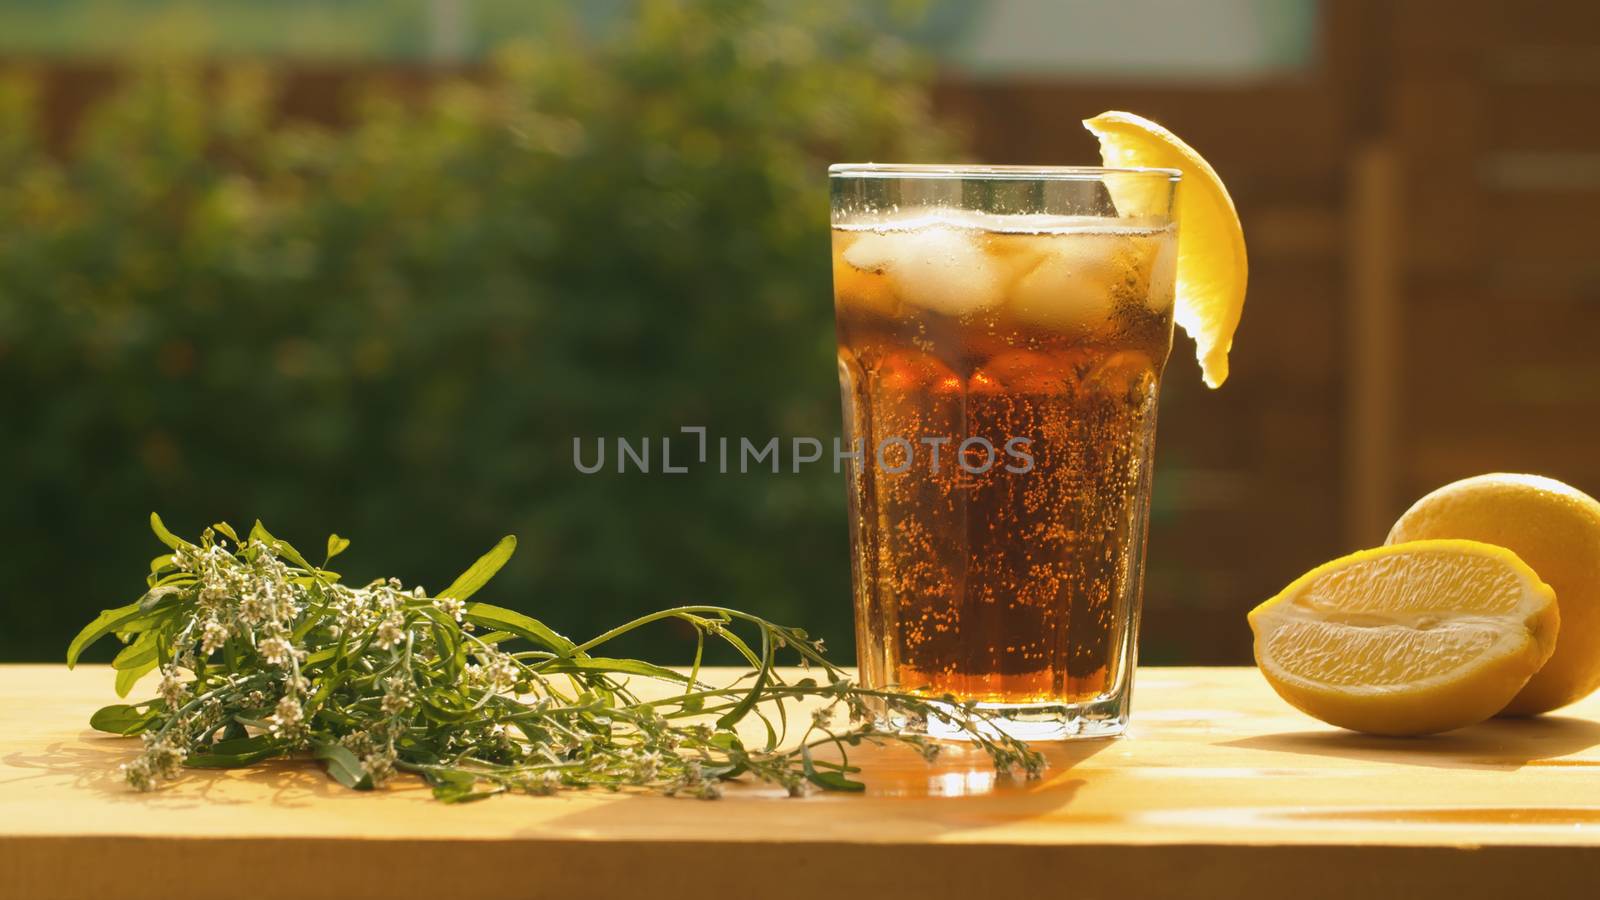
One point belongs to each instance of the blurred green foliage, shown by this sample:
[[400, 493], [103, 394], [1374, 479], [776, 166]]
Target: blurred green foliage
[[394, 329], [367, 29]]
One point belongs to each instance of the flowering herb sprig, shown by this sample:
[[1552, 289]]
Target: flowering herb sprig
[[263, 654]]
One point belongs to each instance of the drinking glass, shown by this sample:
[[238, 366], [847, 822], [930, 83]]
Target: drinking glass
[[1001, 337]]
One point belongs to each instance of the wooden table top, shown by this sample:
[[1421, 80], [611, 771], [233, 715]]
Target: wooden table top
[[1221, 789]]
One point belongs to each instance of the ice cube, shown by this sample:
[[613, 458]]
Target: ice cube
[[861, 288], [871, 251], [935, 267], [1071, 287]]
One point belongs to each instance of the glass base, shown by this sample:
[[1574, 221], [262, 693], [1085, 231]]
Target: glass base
[[1101, 718]]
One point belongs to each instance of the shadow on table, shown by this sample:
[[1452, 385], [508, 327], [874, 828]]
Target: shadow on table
[[1506, 744], [91, 763], [959, 791], [905, 796]]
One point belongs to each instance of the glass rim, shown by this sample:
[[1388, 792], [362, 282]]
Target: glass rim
[[997, 173]]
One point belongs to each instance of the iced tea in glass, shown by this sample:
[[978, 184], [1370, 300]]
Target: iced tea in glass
[[1001, 335]]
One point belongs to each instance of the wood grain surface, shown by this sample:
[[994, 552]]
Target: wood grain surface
[[1221, 790]]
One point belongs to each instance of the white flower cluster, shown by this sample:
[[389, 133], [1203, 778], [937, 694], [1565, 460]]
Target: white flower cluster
[[162, 759], [250, 595], [391, 631], [172, 690], [541, 784], [693, 781], [396, 695], [255, 598], [495, 671], [288, 716], [380, 604], [165, 751], [376, 751]]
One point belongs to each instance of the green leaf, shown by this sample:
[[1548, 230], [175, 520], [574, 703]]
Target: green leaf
[[165, 536], [467, 797], [520, 625], [127, 678], [320, 657], [437, 706], [447, 641], [313, 618], [246, 744], [108, 622], [325, 687], [826, 779], [607, 664], [772, 734], [175, 578], [455, 787], [736, 765], [156, 609], [748, 701], [737, 643], [120, 718], [147, 622], [282, 549], [225, 528], [478, 574], [343, 766], [336, 546], [139, 652], [235, 752], [159, 596]]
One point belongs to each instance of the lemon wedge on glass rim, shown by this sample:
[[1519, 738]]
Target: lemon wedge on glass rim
[[1212, 268]]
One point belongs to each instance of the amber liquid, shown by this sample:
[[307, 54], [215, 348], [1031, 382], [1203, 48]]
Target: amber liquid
[[992, 583]]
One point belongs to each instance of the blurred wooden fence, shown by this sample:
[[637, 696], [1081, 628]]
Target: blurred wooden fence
[[1424, 295]]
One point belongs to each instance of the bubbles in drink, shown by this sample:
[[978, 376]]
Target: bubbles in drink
[[998, 585]]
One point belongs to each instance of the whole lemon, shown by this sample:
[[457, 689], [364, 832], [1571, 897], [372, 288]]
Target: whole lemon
[[1555, 529]]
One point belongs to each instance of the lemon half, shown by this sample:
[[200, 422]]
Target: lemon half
[[1411, 638], [1553, 527]]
